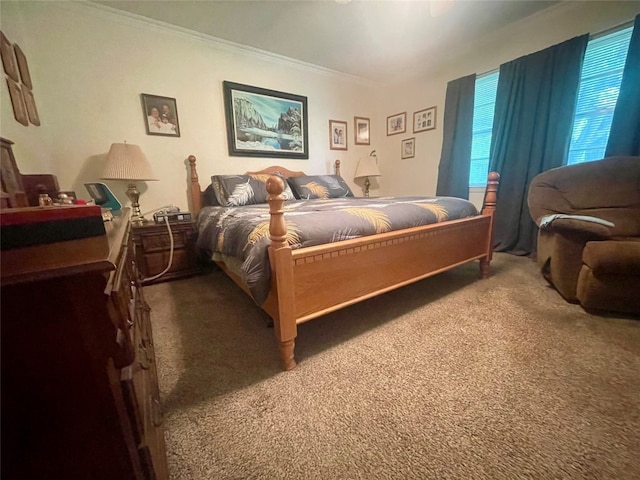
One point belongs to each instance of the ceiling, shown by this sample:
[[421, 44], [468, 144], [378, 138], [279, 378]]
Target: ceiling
[[374, 40]]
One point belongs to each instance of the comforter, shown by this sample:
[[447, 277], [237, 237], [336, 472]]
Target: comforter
[[239, 236]]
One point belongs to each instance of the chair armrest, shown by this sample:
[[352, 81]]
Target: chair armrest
[[591, 227]]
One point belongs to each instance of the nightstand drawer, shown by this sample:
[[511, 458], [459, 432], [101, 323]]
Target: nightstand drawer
[[161, 241]]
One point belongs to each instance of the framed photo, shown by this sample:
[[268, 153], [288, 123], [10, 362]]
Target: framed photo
[[30, 104], [265, 123], [23, 67], [337, 135], [408, 148], [17, 100], [8, 59], [362, 127], [397, 123], [424, 120], [160, 115]]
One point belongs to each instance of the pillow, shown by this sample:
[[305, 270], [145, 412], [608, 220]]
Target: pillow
[[210, 197], [238, 190], [319, 186]]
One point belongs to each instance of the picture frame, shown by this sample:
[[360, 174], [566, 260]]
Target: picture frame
[[160, 115], [397, 123], [408, 148], [276, 127], [17, 101], [337, 135], [362, 130], [8, 58], [424, 120], [23, 67]]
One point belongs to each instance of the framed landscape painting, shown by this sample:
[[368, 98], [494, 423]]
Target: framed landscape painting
[[265, 123]]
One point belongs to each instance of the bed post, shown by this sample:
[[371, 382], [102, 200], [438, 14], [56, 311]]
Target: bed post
[[337, 163], [282, 267], [194, 186], [489, 208]]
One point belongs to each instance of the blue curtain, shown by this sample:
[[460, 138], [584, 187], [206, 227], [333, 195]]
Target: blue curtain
[[535, 104], [455, 160], [624, 137]]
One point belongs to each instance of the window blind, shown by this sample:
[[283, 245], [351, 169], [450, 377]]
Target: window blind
[[483, 109], [599, 88]]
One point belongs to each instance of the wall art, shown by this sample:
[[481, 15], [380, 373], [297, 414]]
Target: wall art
[[265, 123], [408, 149], [160, 115], [397, 123], [424, 120], [362, 128], [337, 135]]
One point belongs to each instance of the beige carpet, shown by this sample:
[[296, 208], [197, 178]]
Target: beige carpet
[[449, 378]]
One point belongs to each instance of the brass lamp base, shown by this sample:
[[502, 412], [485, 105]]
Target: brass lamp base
[[367, 184], [134, 196]]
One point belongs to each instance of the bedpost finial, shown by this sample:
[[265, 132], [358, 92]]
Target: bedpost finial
[[275, 185]]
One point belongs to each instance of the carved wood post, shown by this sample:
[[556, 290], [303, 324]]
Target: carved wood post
[[338, 167], [489, 208], [280, 253], [196, 195]]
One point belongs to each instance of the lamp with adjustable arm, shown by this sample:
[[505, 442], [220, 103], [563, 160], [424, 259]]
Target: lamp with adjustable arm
[[126, 161], [367, 167]]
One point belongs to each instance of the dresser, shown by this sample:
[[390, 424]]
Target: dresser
[[80, 394]]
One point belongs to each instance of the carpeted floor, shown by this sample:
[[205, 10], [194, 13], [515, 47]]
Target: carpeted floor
[[448, 378]]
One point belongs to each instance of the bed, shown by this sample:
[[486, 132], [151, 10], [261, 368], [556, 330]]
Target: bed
[[302, 280]]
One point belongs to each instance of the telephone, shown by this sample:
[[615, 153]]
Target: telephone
[[170, 213]]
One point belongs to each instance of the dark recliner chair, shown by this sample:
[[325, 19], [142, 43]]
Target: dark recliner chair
[[589, 237]]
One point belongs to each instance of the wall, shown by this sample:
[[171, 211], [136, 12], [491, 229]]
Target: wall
[[89, 67]]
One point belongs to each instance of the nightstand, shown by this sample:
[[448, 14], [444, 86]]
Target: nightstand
[[152, 248]]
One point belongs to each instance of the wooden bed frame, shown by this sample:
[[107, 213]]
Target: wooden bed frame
[[304, 284]]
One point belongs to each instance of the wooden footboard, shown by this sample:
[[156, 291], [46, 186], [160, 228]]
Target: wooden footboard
[[305, 284]]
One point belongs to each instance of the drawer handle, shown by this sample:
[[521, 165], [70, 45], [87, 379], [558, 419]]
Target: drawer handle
[[156, 412], [144, 360]]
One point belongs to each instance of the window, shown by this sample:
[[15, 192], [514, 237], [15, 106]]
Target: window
[[483, 107], [597, 96], [599, 87]]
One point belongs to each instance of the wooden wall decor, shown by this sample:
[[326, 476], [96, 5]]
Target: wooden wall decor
[[17, 100], [30, 103], [19, 82], [23, 67], [8, 59]]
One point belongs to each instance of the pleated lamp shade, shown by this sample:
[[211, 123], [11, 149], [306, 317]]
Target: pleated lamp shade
[[367, 167], [126, 161]]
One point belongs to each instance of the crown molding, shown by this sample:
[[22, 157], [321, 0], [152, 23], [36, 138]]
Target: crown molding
[[138, 21]]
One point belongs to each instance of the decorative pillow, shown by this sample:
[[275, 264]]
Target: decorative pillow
[[210, 196], [319, 186], [238, 190]]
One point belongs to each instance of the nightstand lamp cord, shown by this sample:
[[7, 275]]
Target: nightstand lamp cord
[[149, 279]]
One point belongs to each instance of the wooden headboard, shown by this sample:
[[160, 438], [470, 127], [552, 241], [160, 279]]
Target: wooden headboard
[[199, 199]]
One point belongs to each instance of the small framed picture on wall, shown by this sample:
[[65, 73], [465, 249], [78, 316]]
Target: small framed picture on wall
[[362, 127], [424, 120], [408, 148], [337, 135], [397, 123], [161, 115]]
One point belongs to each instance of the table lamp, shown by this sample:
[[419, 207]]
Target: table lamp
[[368, 167], [127, 162]]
